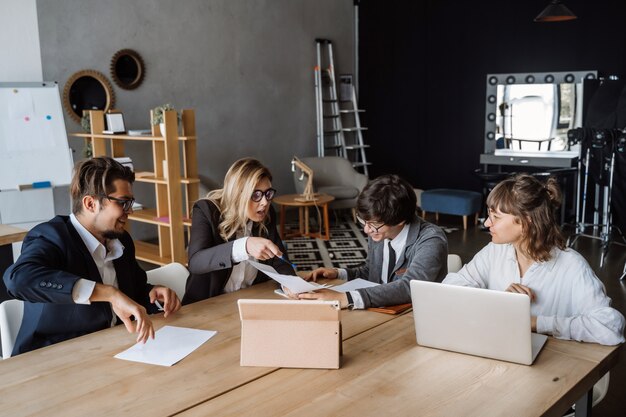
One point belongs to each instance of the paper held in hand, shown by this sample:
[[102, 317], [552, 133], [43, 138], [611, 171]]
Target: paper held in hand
[[294, 283]]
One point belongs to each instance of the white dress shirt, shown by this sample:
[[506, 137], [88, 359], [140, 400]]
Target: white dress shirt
[[103, 258], [570, 301], [243, 274], [397, 243]]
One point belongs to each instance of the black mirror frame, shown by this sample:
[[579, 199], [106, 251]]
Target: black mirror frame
[[141, 69], [98, 76], [493, 80]]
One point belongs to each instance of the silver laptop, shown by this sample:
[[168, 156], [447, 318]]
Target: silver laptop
[[488, 323]]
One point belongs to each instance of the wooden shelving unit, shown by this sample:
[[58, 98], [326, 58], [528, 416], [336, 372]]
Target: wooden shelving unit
[[176, 183]]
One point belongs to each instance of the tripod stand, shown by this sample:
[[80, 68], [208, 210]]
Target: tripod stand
[[597, 143]]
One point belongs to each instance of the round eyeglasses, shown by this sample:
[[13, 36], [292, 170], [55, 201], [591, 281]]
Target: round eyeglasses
[[257, 195], [371, 225]]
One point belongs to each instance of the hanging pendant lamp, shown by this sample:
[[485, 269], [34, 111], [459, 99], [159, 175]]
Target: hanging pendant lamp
[[555, 12]]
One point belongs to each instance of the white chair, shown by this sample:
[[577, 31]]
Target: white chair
[[11, 313], [172, 275], [454, 263], [599, 392]]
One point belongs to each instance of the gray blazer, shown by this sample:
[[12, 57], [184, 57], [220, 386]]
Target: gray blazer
[[425, 257]]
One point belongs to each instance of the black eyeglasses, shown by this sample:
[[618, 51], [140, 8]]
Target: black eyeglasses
[[370, 224], [257, 195], [125, 203]]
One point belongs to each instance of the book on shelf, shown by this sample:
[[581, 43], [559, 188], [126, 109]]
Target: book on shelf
[[126, 161], [139, 132]]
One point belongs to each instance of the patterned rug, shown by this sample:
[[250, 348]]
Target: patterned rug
[[347, 247]]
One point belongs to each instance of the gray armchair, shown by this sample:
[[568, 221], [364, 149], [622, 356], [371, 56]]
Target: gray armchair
[[334, 176]]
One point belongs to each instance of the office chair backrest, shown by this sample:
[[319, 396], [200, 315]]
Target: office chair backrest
[[11, 312], [454, 263], [172, 275]]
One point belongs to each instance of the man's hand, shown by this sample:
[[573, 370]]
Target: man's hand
[[125, 308], [328, 295], [262, 249], [167, 297], [319, 273]]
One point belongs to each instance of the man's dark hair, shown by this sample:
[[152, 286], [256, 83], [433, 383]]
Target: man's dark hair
[[388, 199], [95, 177]]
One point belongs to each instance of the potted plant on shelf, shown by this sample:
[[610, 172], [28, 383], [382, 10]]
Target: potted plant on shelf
[[158, 113], [85, 123]]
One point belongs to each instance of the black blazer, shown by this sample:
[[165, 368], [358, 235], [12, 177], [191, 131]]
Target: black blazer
[[210, 261], [53, 258]]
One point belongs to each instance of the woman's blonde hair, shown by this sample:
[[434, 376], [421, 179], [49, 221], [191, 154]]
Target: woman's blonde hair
[[232, 200], [534, 204]]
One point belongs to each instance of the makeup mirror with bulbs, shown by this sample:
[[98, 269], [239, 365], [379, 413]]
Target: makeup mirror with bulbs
[[532, 112]]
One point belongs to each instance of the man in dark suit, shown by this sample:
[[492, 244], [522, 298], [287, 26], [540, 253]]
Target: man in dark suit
[[77, 273]]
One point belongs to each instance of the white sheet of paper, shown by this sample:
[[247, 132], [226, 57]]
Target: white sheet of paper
[[355, 284], [170, 345], [295, 284]]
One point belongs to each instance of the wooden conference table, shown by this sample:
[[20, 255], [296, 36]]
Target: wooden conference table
[[383, 372]]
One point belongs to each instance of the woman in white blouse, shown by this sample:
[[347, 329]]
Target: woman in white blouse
[[527, 255]]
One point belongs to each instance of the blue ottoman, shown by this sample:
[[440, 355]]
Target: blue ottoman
[[448, 201]]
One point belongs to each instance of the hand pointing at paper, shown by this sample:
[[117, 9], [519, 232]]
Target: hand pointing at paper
[[262, 249]]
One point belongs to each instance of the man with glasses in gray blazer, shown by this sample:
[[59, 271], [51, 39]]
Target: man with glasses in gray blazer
[[401, 247]]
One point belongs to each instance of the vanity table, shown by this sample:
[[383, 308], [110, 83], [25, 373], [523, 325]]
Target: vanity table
[[543, 159], [524, 110]]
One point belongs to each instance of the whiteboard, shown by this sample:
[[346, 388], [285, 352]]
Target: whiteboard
[[33, 140]]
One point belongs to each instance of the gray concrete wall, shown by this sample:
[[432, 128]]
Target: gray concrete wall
[[245, 66]]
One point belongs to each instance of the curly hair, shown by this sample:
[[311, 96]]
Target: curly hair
[[534, 205]]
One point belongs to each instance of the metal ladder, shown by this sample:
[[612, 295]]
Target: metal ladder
[[329, 129], [353, 131], [331, 132]]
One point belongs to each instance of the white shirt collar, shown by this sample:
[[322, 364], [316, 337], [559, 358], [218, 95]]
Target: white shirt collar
[[114, 245], [398, 242]]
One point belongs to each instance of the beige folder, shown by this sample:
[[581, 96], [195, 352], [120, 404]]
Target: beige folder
[[290, 333]]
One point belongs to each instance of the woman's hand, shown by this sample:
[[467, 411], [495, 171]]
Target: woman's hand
[[262, 249], [328, 273], [521, 289]]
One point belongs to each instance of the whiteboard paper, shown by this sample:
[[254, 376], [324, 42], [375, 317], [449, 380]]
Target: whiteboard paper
[[33, 140]]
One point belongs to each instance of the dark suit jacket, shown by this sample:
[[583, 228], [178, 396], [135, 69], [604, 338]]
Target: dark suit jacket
[[53, 258], [210, 260]]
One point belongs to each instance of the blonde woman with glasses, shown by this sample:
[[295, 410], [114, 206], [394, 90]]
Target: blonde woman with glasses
[[527, 255], [230, 226]]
